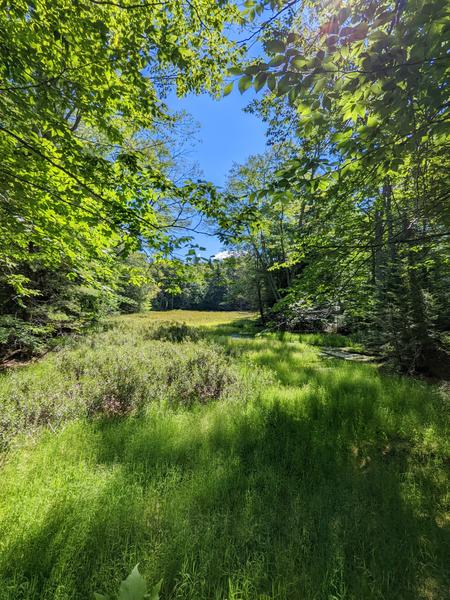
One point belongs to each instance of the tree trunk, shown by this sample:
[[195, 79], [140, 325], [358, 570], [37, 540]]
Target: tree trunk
[[260, 302]]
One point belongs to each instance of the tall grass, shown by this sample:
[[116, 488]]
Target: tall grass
[[121, 372], [330, 482], [190, 317]]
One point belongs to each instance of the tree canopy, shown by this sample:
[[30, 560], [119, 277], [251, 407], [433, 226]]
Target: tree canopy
[[357, 217], [81, 108]]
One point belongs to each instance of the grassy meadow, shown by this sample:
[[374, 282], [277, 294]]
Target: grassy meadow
[[231, 465]]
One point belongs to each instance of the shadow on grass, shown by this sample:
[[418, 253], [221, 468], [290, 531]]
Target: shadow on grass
[[331, 487], [328, 492], [241, 326]]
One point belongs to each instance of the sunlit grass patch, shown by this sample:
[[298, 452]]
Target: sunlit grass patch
[[190, 317], [316, 339]]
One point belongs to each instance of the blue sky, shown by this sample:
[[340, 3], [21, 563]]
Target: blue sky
[[227, 135]]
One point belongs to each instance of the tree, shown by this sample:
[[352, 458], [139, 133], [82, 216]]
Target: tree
[[82, 89], [87, 142], [362, 91], [221, 284], [137, 287]]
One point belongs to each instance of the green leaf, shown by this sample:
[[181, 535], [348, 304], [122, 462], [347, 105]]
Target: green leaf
[[228, 88], [100, 596], [274, 46], [326, 102], [154, 592], [329, 66], [284, 85], [298, 62], [372, 121], [319, 84], [293, 94], [260, 80], [133, 587], [277, 60], [252, 69], [293, 37], [244, 83], [271, 82]]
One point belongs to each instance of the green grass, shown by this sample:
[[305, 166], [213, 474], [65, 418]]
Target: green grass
[[190, 317], [332, 483], [317, 339]]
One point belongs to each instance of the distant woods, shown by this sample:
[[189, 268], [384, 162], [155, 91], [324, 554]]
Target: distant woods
[[226, 284]]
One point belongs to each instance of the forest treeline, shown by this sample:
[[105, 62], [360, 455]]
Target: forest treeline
[[343, 223]]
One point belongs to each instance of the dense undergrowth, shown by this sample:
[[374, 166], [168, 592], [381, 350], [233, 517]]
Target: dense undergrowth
[[298, 477], [119, 372]]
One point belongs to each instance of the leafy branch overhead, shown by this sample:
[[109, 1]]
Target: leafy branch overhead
[[83, 123], [359, 63], [356, 213]]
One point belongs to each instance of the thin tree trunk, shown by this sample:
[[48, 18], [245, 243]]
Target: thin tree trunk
[[260, 302]]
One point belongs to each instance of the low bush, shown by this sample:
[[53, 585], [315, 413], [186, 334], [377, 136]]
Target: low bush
[[171, 331], [202, 373], [113, 374]]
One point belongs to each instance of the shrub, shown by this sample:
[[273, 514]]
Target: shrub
[[202, 373], [20, 339], [117, 394], [117, 373], [171, 331], [120, 380], [36, 396]]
